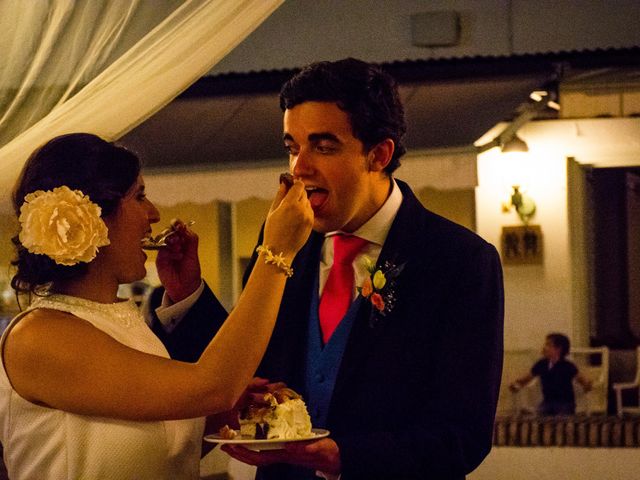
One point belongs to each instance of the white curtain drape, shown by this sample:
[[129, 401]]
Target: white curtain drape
[[123, 61], [52, 48]]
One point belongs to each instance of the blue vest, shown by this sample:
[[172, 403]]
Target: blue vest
[[323, 363]]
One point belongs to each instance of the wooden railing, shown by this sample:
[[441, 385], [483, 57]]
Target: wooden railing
[[589, 431]]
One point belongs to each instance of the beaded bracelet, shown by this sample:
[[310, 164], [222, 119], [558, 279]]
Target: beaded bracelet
[[277, 260]]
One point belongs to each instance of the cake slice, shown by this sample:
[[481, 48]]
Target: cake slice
[[283, 416]]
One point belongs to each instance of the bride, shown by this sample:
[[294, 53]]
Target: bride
[[86, 389]]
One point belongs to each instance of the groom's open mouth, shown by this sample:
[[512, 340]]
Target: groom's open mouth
[[317, 196]]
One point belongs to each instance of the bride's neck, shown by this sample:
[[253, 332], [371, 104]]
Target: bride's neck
[[90, 288]]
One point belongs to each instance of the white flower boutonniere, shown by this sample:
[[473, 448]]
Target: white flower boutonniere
[[379, 286], [63, 224]]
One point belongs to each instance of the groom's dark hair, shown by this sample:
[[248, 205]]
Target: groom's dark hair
[[364, 91]]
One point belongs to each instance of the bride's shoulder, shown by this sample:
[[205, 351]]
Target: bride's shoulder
[[40, 348], [39, 315], [44, 336], [42, 324]]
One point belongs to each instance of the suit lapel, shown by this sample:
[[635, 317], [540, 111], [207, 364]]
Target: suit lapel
[[399, 247], [403, 241]]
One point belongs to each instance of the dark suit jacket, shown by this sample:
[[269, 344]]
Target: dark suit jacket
[[192, 335], [416, 392]]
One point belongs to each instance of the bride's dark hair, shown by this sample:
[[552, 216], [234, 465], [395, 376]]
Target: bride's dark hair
[[81, 161]]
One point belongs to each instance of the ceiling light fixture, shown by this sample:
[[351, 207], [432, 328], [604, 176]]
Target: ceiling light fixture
[[540, 95], [507, 140]]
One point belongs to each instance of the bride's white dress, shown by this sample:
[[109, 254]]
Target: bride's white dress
[[43, 443]]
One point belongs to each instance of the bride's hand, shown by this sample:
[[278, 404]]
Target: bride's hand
[[289, 220]]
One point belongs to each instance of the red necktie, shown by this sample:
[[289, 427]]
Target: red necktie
[[338, 290]]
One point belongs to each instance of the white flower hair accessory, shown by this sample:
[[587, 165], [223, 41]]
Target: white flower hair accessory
[[63, 224]]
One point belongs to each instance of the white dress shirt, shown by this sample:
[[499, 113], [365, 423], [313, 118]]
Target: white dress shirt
[[375, 230], [170, 314]]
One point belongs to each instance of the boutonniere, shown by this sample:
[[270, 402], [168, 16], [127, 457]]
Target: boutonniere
[[379, 286]]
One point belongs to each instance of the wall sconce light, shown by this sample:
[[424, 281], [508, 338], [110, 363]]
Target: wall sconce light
[[523, 204]]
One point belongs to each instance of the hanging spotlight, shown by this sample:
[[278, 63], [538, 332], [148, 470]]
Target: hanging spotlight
[[554, 105], [507, 140], [538, 95]]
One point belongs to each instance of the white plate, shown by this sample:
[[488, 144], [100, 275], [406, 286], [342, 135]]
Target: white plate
[[270, 444]]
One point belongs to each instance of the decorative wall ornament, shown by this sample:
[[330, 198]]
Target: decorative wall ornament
[[522, 245], [523, 204]]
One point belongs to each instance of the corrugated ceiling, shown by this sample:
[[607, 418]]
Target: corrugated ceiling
[[236, 117]]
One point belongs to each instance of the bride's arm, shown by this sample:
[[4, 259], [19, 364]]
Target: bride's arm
[[63, 362]]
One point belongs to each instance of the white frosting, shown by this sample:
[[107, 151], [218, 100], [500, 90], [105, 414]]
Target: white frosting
[[286, 420]]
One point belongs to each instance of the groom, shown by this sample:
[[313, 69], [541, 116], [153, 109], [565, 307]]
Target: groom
[[404, 368]]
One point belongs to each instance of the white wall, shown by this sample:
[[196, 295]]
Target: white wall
[[539, 298], [443, 169]]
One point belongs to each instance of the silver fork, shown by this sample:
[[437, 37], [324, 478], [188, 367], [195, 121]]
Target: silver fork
[[160, 240]]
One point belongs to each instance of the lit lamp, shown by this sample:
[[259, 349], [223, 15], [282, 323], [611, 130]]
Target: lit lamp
[[507, 139], [522, 203], [521, 244]]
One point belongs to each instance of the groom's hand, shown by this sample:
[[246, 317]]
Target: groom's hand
[[322, 455], [253, 395], [178, 263]]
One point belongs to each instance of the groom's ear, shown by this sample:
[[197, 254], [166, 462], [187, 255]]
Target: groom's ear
[[380, 155]]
